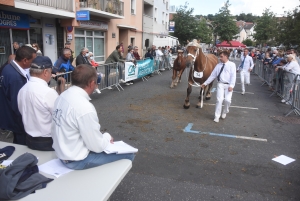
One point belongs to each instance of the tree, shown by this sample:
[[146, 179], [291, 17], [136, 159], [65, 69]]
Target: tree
[[248, 42], [266, 28], [246, 17], [186, 24], [224, 25], [204, 32]]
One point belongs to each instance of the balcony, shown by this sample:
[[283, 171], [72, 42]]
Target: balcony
[[48, 8], [149, 2], [111, 9]]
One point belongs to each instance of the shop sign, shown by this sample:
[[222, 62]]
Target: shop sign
[[172, 26], [94, 25], [83, 15], [13, 20]]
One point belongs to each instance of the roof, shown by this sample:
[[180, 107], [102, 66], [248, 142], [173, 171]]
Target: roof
[[248, 25], [231, 44]]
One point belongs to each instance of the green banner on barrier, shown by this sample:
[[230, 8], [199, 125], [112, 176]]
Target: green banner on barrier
[[141, 69]]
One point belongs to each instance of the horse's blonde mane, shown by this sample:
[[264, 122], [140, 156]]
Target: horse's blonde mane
[[194, 43]]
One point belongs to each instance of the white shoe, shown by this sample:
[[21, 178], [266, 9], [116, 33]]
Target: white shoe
[[127, 83], [131, 82], [162, 69], [243, 93], [223, 116], [121, 81], [283, 100], [216, 120], [109, 88], [97, 91]]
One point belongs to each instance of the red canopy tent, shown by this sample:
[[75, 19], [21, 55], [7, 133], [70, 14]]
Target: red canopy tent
[[231, 44]]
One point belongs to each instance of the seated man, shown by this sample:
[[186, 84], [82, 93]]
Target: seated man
[[82, 57], [77, 139], [35, 103]]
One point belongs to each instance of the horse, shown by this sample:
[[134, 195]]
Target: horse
[[179, 65], [201, 66]]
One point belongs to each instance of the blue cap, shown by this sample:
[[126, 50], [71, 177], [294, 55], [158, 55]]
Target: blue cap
[[41, 62]]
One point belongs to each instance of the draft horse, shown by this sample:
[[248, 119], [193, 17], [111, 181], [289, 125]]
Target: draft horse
[[201, 66], [178, 66]]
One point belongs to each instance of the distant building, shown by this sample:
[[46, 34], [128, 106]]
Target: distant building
[[246, 30]]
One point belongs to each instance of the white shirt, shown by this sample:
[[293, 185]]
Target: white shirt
[[228, 74], [35, 103], [25, 72], [159, 54], [292, 67], [75, 126], [248, 63]]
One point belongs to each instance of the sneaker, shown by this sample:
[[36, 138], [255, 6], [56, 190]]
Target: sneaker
[[283, 100], [121, 81], [97, 91], [216, 120], [109, 88], [162, 69], [223, 116], [127, 83], [288, 102], [131, 82], [243, 93]]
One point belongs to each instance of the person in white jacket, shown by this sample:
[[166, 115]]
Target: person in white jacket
[[245, 68], [77, 139], [158, 58]]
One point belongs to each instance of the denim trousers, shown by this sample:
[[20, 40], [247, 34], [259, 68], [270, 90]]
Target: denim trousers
[[96, 159], [99, 79]]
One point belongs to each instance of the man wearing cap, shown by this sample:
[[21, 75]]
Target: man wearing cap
[[13, 77], [36, 102], [245, 68]]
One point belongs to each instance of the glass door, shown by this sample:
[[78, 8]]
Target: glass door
[[20, 36], [5, 45]]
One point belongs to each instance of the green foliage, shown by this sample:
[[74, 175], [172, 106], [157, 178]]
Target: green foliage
[[185, 24], [289, 29], [266, 27], [248, 42], [224, 26], [246, 17], [204, 32]]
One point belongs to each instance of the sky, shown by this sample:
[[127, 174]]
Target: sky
[[256, 7]]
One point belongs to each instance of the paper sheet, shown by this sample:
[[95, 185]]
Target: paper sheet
[[284, 160], [6, 162], [55, 168], [120, 147]]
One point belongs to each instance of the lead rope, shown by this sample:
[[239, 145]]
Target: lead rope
[[197, 85]]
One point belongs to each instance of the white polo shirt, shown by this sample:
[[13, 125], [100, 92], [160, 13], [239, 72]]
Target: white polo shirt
[[35, 103], [25, 72], [75, 126]]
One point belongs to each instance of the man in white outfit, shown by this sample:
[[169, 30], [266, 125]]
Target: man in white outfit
[[245, 68], [225, 72]]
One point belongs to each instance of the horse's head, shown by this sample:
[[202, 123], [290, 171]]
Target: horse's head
[[192, 53], [179, 56]]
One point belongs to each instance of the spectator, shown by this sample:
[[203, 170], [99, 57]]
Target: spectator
[[153, 51], [95, 65], [258, 55], [14, 77], [80, 145], [62, 65], [136, 53], [115, 56], [130, 45], [130, 58], [148, 54], [10, 58], [16, 46], [35, 103], [37, 49], [82, 57], [267, 60], [68, 46], [159, 56], [277, 58]]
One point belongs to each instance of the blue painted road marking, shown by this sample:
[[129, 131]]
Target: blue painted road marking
[[188, 128]]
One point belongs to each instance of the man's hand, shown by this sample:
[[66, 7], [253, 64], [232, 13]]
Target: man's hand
[[276, 69], [249, 69], [230, 89], [203, 86], [112, 140]]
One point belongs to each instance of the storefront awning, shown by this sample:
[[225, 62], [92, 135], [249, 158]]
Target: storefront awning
[[123, 26]]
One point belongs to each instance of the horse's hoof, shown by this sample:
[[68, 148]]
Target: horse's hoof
[[207, 98], [186, 107], [198, 107]]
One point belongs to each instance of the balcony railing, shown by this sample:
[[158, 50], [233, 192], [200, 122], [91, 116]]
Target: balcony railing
[[57, 4], [111, 6]]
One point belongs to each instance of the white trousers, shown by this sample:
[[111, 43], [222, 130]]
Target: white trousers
[[245, 76], [223, 95]]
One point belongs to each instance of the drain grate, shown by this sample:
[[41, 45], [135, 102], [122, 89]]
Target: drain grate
[[291, 120]]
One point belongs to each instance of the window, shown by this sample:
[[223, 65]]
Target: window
[[167, 5], [155, 14], [133, 6], [164, 1], [163, 22], [93, 40]]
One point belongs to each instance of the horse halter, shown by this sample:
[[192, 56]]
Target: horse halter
[[194, 56]]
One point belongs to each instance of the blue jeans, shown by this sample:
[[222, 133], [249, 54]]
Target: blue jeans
[[96, 159], [99, 79]]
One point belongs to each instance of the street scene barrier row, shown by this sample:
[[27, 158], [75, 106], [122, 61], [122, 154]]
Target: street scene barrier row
[[285, 84]]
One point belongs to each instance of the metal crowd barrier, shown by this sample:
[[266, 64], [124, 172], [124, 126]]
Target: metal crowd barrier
[[285, 84]]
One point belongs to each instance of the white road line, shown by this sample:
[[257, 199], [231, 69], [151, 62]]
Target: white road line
[[250, 108]]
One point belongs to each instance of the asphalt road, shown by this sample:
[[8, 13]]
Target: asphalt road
[[175, 165]]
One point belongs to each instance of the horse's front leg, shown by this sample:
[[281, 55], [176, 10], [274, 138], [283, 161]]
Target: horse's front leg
[[173, 79], [200, 98], [187, 99], [180, 74]]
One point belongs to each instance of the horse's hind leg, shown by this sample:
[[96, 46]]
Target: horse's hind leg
[[187, 99], [208, 93]]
